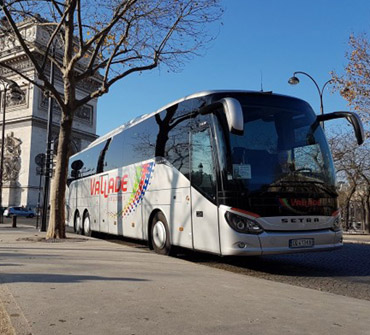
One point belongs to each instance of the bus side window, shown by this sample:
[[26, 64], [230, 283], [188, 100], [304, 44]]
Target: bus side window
[[203, 174], [173, 137], [100, 166], [139, 142]]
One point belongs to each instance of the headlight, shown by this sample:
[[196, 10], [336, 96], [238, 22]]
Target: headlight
[[242, 224], [336, 224]]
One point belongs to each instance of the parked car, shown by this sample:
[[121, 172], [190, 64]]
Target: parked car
[[19, 211]]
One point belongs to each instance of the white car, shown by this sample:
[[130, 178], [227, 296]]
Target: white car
[[19, 211]]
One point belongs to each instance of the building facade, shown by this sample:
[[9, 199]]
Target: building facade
[[26, 122]]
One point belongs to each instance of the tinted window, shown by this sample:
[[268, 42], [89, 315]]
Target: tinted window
[[114, 155], [139, 142], [89, 159], [173, 138], [164, 135], [202, 167]]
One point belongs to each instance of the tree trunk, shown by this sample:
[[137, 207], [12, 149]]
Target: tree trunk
[[58, 189], [367, 212], [56, 228]]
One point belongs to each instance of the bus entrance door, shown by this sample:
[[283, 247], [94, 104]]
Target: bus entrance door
[[203, 191]]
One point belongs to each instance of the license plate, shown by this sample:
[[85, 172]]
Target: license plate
[[301, 243]]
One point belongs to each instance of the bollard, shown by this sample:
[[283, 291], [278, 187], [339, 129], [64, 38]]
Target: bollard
[[14, 221]]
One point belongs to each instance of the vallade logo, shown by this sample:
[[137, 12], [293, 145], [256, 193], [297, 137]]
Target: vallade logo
[[105, 186], [309, 202], [305, 202], [295, 204]]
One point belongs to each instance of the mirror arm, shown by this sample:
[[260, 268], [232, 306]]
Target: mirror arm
[[350, 116], [233, 112], [210, 108]]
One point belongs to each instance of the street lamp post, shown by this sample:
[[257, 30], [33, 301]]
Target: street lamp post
[[48, 170], [15, 95], [294, 81]]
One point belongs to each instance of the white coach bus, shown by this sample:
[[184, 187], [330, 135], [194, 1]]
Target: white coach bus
[[226, 172]]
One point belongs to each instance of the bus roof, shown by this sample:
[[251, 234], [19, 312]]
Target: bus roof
[[146, 116]]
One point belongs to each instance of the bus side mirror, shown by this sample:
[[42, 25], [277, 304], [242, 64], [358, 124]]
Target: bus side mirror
[[77, 165], [352, 118], [233, 112]]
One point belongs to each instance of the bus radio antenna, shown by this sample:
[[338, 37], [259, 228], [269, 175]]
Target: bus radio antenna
[[261, 80]]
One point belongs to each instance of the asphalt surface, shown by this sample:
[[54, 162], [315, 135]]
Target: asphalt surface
[[91, 286], [345, 271]]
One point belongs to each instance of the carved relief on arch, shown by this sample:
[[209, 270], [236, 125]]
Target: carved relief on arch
[[12, 157], [10, 104]]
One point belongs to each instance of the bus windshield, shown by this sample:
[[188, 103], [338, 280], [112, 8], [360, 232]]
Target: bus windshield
[[280, 155]]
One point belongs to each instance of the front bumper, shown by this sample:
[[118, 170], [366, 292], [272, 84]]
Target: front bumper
[[269, 243]]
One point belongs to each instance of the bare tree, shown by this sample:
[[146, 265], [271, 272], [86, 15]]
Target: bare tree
[[354, 84], [353, 170], [105, 39]]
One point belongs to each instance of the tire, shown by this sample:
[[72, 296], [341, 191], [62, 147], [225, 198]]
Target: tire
[[77, 223], [30, 216], [86, 224], [160, 234]]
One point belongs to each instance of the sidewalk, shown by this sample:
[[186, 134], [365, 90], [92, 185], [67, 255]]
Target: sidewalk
[[89, 286], [356, 238]]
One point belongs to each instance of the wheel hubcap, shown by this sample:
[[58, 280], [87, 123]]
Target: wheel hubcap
[[78, 223], [159, 234], [87, 225]]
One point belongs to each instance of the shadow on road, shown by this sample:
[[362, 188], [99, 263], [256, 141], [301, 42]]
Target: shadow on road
[[351, 260], [7, 278]]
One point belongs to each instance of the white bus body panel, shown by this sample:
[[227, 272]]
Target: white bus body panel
[[194, 221], [128, 212], [205, 223], [169, 192], [273, 242], [301, 223]]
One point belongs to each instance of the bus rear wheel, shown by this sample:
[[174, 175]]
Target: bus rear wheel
[[77, 223], [160, 234], [86, 224]]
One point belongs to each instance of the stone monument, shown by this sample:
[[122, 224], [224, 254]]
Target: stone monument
[[26, 121]]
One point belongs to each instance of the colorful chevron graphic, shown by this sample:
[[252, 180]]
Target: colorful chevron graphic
[[142, 178], [141, 182]]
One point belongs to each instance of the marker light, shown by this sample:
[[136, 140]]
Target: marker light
[[242, 224]]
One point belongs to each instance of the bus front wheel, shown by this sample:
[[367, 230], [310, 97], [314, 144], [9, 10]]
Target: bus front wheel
[[160, 234]]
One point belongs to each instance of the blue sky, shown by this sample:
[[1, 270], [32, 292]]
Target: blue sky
[[271, 37]]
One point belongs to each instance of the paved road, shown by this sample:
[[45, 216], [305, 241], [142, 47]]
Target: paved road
[[89, 286], [345, 271]]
